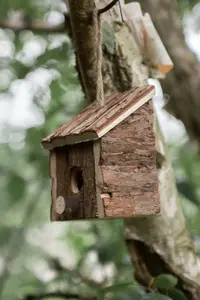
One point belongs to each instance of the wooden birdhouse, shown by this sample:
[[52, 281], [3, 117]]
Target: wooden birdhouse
[[103, 161]]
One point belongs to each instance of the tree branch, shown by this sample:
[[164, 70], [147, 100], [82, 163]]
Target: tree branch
[[107, 7], [58, 295], [35, 26]]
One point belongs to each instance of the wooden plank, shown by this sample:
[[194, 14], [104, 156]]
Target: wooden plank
[[52, 167], [60, 141], [52, 162], [126, 178], [62, 185], [90, 205], [120, 115], [130, 146], [96, 121], [98, 180], [128, 204], [116, 106], [80, 204], [53, 215]]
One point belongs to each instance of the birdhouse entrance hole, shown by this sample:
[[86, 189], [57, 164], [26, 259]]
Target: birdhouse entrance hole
[[76, 178]]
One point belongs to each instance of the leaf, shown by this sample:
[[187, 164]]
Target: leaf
[[53, 57], [128, 1], [131, 292], [165, 281], [187, 190], [16, 186], [108, 37], [155, 296], [21, 70], [176, 294], [100, 295], [117, 287]]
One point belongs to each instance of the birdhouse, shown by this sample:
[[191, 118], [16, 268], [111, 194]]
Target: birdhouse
[[103, 161]]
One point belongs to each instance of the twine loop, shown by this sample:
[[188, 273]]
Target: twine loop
[[99, 57]]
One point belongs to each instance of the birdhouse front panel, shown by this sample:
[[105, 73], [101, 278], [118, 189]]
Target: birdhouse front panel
[[73, 182], [103, 162]]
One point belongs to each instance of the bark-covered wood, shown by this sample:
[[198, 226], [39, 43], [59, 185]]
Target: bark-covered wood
[[95, 121], [131, 143], [80, 204], [100, 213], [182, 84], [128, 166]]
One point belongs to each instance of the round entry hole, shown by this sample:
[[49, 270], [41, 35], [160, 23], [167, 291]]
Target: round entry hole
[[76, 179]]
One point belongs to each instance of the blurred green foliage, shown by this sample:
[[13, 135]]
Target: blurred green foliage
[[185, 5], [37, 257]]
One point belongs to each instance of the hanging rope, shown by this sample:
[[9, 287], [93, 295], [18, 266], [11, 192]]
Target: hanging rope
[[99, 57], [98, 41]]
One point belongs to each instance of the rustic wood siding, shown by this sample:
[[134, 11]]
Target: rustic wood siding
[[84, 204], [128, 166]]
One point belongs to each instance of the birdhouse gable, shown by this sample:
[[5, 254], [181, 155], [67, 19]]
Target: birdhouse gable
[[95, 121]]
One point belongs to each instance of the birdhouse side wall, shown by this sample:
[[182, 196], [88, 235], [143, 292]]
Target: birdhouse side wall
[[129, 179], [73, 180]]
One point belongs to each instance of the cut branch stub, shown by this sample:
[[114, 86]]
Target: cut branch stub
[[151, 45]]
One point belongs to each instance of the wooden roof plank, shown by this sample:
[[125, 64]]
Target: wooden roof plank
[[95, 121]]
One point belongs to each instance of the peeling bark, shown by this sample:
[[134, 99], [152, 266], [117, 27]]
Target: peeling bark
[[165, 236]]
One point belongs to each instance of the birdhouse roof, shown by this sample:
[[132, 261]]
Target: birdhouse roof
[[95, 121]]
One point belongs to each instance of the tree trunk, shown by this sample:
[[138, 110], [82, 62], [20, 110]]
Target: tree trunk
[[162, 243], [182, 84]]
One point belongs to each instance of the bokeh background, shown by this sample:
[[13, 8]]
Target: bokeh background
[[40, 90]]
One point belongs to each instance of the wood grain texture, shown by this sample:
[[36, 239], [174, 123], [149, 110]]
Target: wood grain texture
[[128, 166], [98, 180], [52, 167], [96, 121], [81, 205]]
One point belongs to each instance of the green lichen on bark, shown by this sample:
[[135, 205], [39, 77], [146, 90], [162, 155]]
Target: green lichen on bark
[[124, 69]]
